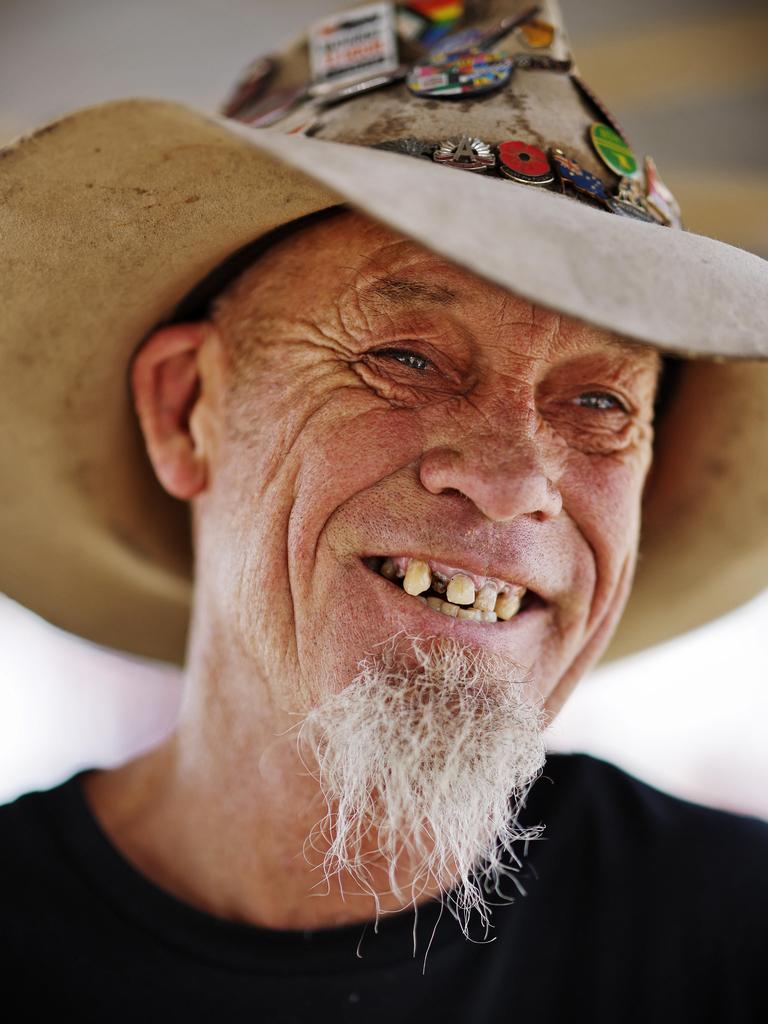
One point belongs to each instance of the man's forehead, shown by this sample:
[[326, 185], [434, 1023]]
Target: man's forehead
[[417, 279], [374, 268]]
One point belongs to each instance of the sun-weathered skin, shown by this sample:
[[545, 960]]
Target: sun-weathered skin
[[111, 215]]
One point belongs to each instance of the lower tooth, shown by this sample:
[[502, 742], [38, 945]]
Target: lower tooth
[[507, 605], [458, 613], [469, 613]]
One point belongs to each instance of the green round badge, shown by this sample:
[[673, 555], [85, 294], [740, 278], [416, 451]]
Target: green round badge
[[612, 149]]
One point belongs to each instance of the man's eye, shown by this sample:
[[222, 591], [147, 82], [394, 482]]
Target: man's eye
[[402, 355], [600, 399]]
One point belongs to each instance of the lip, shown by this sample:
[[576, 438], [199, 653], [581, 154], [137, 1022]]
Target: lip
[[508, 574], [527, 629]]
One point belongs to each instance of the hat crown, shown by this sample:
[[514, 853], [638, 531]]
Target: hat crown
[[503, 73]]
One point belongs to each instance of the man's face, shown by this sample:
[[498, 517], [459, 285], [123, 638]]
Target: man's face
[[383, 403]]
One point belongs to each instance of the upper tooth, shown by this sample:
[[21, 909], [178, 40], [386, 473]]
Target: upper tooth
[[486, 598], [418, 578], [461, 590], [388, 569], [507, 605]]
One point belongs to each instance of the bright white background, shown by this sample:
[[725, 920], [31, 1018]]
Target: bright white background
[[690, 716]]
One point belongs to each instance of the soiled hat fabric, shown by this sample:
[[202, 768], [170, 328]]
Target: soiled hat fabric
[[478, 139]]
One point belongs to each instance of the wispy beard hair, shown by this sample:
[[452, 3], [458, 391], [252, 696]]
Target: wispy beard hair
[[429, 755]]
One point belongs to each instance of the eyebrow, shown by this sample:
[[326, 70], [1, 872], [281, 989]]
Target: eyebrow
[[401, 292], [630, 347]]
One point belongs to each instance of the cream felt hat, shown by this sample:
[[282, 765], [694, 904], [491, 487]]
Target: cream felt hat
[[112, 215]]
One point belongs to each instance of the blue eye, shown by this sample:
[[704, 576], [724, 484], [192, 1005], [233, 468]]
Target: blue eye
[[402, 355], [601, 397]]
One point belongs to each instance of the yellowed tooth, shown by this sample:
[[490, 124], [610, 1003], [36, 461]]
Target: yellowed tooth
[[418, 578], [507, 605], [388, 569], [488, 616], [469, 613], [486, 598], [449, 609], [435, 602], [461, 590]]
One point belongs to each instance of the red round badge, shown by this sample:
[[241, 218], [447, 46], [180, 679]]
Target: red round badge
[[523, 162]]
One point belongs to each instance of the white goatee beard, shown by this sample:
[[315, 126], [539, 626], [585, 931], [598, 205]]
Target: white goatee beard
[[429, 754]]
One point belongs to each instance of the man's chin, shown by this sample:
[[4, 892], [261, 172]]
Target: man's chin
[[424, 761]]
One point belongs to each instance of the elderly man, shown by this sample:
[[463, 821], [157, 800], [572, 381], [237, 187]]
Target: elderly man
[[417, 500], [368, 424]]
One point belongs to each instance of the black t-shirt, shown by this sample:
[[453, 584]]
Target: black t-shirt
[[638, 906]]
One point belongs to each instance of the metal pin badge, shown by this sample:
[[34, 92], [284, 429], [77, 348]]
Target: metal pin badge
[[467, 41], [612, 149], [250, 86], [328, 94], [540, 62], [358, 41], [466, 153], [410, 146], [659, 198], [274, 106], [525, 163], [428, 21], [474, 39], [629, 201], [572, 175], [536, 33], [468, 75], [507, 25]]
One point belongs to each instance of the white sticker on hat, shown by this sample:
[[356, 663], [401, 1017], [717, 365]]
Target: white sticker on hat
[[359, 41]]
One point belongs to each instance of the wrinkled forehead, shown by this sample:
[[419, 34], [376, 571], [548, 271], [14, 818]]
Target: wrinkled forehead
[[358, 263]]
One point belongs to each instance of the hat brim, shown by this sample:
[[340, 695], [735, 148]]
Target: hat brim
[[114, 213]]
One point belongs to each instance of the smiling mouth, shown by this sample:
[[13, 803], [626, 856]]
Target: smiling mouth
[[456, 597]]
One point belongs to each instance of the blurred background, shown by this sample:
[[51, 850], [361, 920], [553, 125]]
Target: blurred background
[[689, 81]]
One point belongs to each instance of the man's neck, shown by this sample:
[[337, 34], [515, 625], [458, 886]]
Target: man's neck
[[223, 830]]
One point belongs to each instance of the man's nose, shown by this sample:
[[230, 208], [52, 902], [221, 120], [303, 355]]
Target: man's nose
[[505, 477]]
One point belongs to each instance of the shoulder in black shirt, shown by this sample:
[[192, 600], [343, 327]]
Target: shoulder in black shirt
[[637, 906]]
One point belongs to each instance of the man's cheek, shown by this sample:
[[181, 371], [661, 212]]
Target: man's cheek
[[359, 447]]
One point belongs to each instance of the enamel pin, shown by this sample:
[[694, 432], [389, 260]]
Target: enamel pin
[[612, 149], [536, 33], [467, 153], [468, 75], [274, 106], [353, 43], [250, 87], [572, 175], [629, 201], [522, 162], [659, 198]]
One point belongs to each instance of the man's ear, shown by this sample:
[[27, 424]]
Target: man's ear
[[166, 380]]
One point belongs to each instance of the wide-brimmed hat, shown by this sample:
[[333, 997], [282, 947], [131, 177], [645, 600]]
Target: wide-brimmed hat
[[478, 139]]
